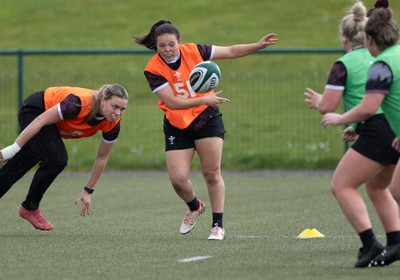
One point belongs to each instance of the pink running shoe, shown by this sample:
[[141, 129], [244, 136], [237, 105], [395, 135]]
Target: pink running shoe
[[191, 217], [35, 218]]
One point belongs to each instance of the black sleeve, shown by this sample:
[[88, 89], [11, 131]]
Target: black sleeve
[[380, 77], [205, 51], [338, 75], [154, 80], [70, 107], [112, 135]]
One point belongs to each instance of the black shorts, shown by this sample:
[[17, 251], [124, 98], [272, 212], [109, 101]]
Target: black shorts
[[208, 124], [375, 140]]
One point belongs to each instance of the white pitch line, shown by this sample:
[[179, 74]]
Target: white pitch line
[[194, 259], [248, 236]]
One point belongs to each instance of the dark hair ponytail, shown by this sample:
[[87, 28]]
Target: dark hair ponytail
[[161, 27]]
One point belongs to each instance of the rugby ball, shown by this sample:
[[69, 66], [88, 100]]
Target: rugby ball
[[204, 77]]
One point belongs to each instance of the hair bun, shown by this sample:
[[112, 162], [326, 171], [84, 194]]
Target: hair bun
[[381, 4]]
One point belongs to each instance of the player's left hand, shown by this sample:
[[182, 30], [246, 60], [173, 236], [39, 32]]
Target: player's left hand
[[86, 207], [268, 40], [214, 99]]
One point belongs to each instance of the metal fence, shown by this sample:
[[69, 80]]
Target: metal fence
[[21, 54], [256, 142]]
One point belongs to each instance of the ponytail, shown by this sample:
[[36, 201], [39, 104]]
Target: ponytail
[[161, 27]]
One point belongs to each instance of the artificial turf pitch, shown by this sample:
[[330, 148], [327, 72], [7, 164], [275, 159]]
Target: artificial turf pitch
[[133, 232]]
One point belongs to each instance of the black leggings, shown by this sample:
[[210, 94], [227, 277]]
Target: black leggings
[[46, 148]]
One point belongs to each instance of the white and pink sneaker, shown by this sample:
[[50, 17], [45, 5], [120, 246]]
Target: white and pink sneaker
[[217, 233]]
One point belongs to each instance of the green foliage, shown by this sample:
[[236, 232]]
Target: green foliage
[[268, 124]]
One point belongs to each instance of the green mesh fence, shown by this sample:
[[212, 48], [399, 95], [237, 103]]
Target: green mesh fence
[[268, 123]]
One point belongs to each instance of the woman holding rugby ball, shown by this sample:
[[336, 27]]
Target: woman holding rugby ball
[[192, 121]]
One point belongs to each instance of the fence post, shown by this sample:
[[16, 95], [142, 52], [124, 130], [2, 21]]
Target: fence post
[[20, 78]]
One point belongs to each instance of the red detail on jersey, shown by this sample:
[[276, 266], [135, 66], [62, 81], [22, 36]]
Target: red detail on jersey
[[179, 81]]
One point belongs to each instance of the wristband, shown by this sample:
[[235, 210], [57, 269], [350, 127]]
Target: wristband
[[10, 151], [88, 190]]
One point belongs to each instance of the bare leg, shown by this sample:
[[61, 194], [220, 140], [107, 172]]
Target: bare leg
[[210, 153], [178, 164], [352, 171], [382, 199]]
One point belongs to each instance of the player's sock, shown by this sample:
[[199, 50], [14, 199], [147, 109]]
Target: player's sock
[[367, 238], [194, 204], [393, 238], [217, 220]]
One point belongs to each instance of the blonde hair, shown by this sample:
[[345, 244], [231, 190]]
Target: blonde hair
[[352, 26], [107, 91]]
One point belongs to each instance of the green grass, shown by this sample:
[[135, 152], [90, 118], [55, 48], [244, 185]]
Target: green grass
[[133, 232], [268, 124]]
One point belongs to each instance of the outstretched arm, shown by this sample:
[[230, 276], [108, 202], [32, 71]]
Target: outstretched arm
[[325, 103], [366, 109], [236, 51], [97, 169], [46, 118]]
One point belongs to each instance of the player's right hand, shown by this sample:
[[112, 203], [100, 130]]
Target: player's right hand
[[86, 207], [349, 134], [396, 144]]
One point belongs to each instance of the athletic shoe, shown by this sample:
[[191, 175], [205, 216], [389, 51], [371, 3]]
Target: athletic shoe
[[366, 256], [35, 218], [389, 254], [217, 233], [191, 218]]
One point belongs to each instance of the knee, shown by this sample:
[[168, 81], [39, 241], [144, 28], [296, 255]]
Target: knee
[[343, 188], [334, 189], [61, 165], [212, 178], [57, 164], [178, 181], [396, 194], [61, 162]]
